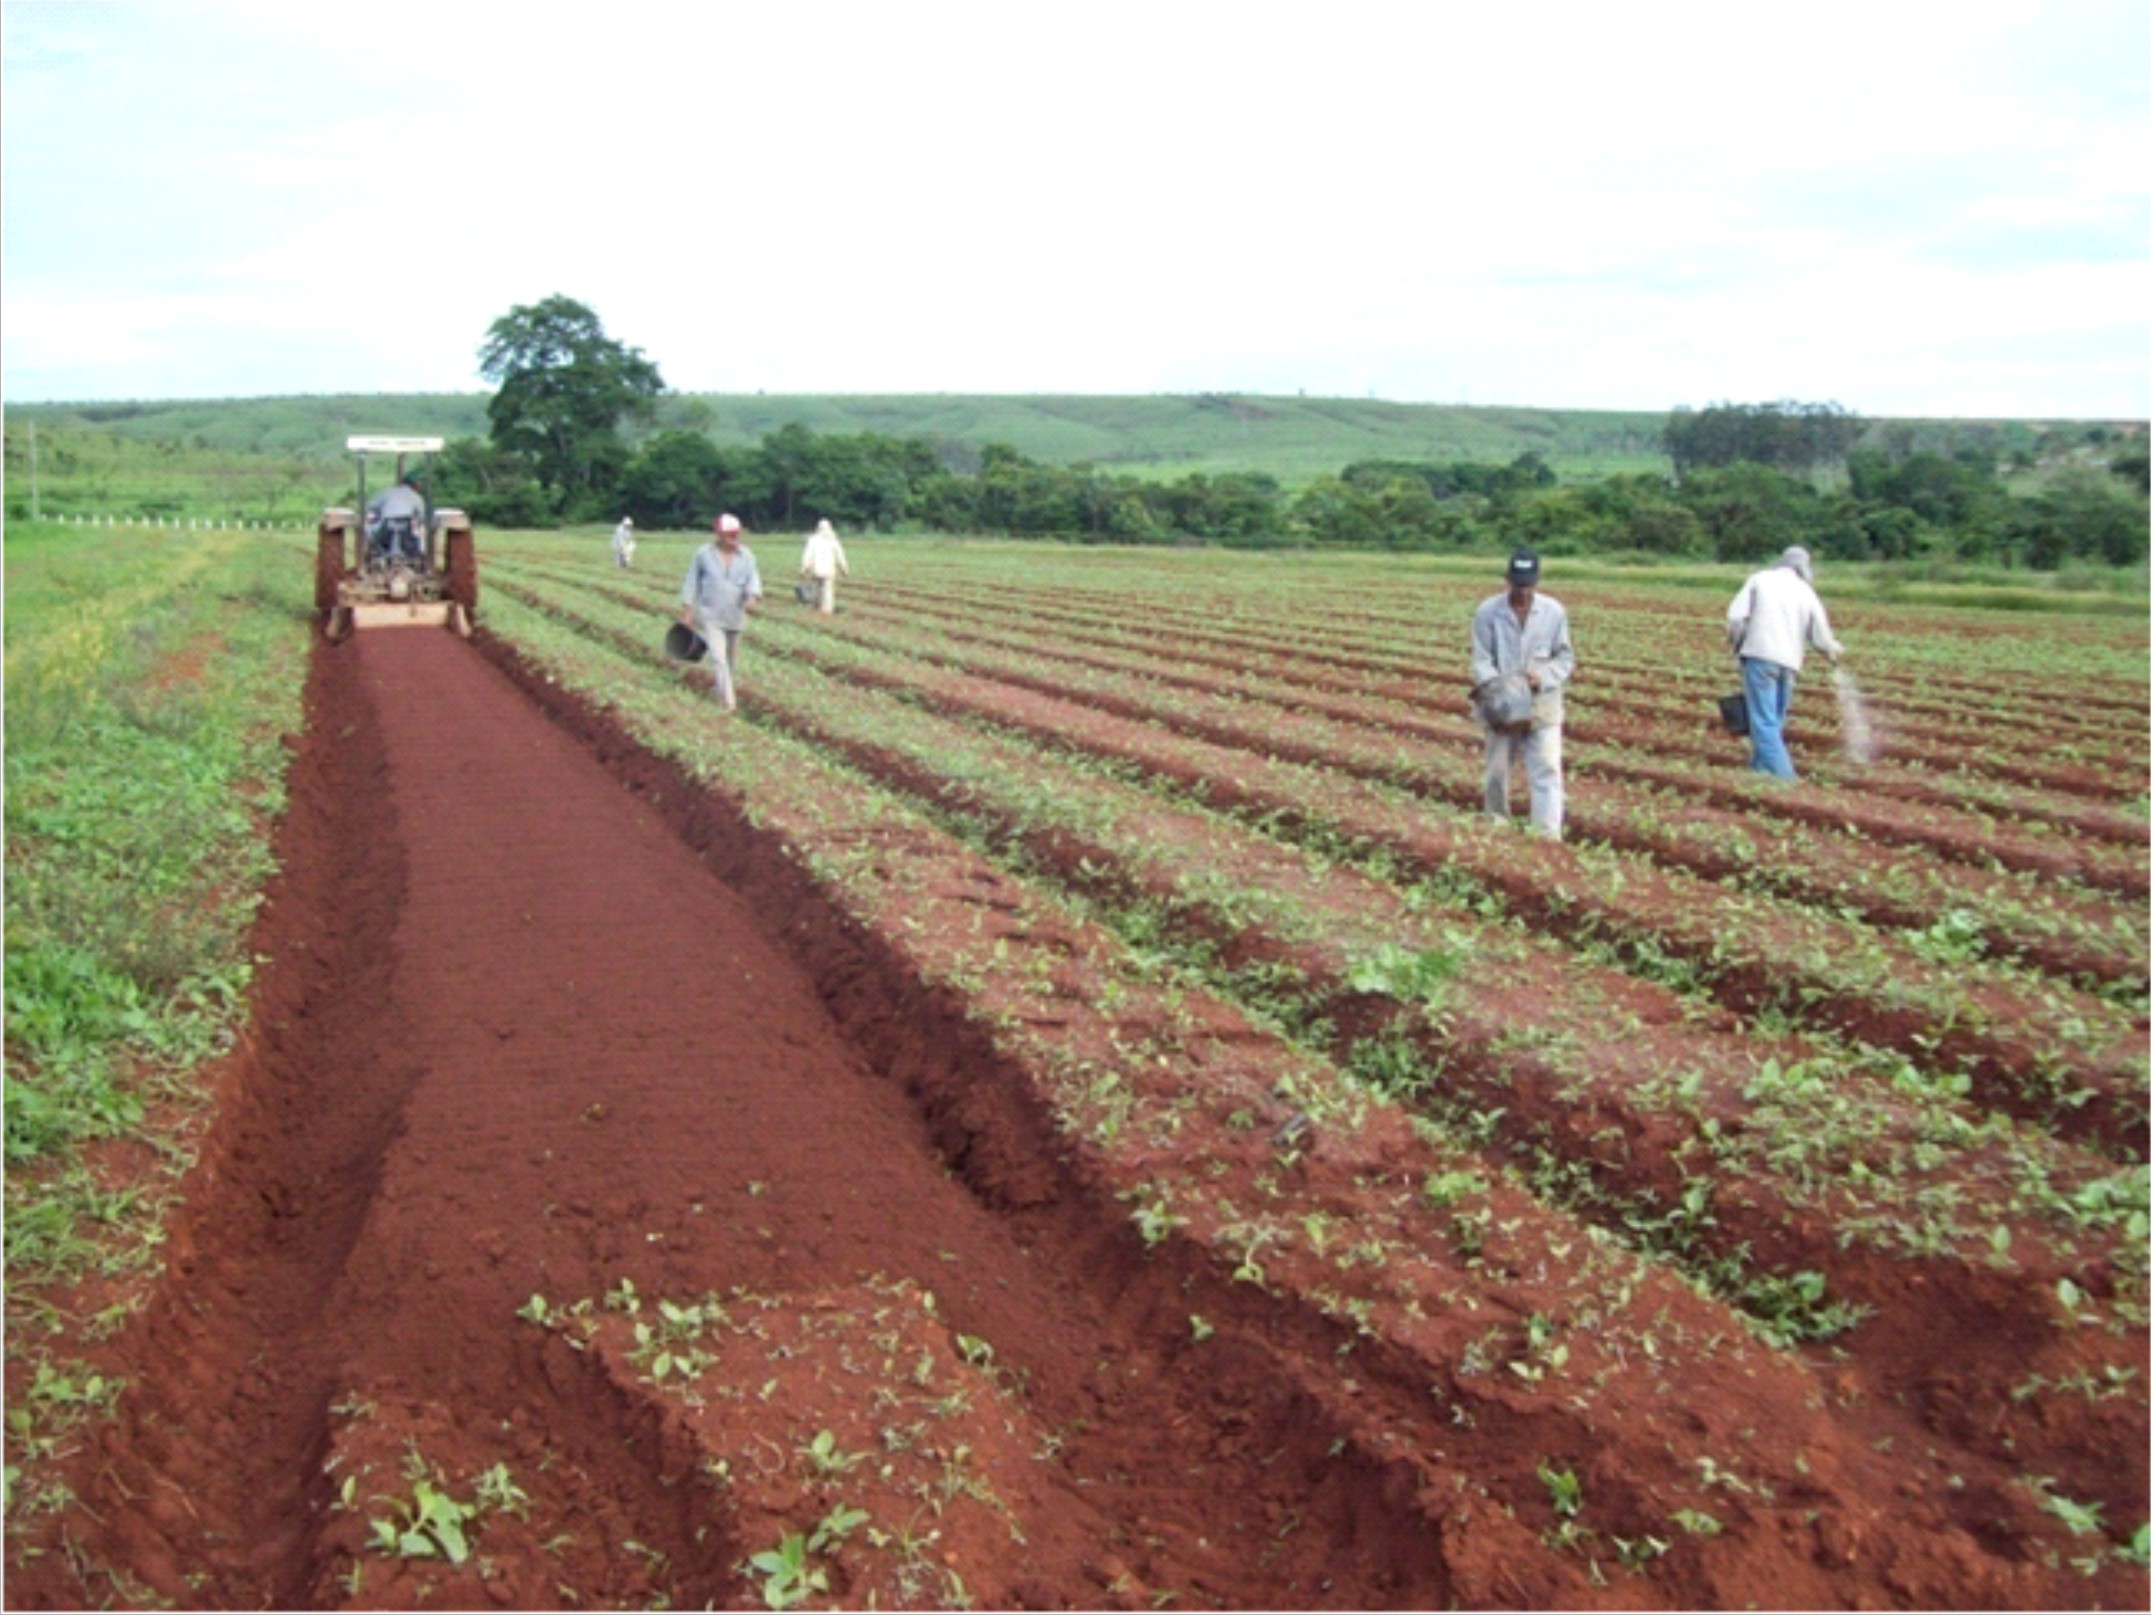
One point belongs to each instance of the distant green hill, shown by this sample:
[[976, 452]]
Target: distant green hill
[[1294, 439], [282, 455]]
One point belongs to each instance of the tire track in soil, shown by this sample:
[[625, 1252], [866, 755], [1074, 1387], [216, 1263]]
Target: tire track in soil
[[514, 1037]]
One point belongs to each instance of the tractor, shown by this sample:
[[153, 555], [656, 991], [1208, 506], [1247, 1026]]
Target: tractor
[[395, 561]]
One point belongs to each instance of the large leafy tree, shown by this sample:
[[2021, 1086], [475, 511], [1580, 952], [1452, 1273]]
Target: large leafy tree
[[564, 386]]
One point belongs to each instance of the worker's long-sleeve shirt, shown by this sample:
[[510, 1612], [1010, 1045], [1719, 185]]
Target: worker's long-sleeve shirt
[[1776, 616], [1539, 644], [718, 587], [823, 556]]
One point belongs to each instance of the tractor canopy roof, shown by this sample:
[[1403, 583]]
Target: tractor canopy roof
[[393, 445]]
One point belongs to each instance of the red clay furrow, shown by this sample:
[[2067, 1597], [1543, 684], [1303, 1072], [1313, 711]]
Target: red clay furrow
[[643, 1084]]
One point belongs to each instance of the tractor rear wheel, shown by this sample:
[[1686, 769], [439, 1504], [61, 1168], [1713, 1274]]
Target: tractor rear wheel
[[463, 571], [328, 567]]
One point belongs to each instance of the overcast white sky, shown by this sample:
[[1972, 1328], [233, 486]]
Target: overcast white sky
[[1908, 208]]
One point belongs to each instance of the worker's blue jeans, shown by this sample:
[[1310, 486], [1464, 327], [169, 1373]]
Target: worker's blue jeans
[[1769, 689]]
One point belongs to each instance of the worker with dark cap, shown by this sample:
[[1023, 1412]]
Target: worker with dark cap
[[1520, 658]]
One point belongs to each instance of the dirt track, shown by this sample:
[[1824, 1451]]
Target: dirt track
[[514, 1037]]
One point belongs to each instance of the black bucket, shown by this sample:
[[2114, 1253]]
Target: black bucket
[[1733, 712], [683, 644]]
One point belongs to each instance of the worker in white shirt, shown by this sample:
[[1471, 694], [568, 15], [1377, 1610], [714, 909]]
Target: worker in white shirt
[[821, 561], [1773, 619]]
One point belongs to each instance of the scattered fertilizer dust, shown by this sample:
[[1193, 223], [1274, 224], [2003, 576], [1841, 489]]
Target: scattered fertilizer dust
[[1852, 721]]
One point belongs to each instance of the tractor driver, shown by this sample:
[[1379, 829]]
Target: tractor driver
[[395, 521]]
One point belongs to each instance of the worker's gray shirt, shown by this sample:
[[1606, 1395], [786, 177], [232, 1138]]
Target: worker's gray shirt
[[719, 588], [1539, 644]]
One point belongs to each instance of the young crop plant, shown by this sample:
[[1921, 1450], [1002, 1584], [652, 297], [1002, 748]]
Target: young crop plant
[[429, 1525], [1418, 976], [1153, 1216], [1563, 1489], [826, 1458], [1786, 1309], [788, 1579]]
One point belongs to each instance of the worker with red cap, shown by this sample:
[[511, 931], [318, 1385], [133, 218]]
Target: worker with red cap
[[721, 587]]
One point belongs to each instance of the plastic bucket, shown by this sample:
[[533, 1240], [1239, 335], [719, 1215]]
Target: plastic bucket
[[1505, 702], [1733, 713], [683, 644]]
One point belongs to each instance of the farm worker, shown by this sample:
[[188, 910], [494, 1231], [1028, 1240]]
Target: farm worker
[[623, 542], [722, 586], [1520, 650], [399, 502], [822, 560], [1773, 619]]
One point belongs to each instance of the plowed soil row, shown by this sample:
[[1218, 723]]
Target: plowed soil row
[[1950, 1333], [1753, 958]]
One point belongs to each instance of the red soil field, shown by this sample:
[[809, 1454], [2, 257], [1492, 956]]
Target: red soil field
[[541, 1018]]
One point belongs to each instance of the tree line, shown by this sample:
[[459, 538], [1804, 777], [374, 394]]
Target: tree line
[[1747, 480]]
